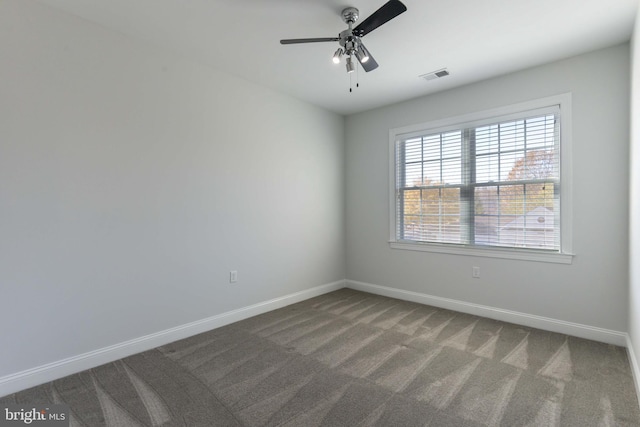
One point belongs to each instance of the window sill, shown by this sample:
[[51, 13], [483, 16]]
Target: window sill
[[518, 254]]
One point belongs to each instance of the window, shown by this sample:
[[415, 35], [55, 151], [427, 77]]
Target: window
[[488, 184]]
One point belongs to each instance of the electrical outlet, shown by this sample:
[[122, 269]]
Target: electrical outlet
[[475, 272], [233, 276]]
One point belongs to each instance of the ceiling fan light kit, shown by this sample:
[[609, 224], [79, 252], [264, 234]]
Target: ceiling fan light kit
[[362, 54], [350, 67], [350, 39], [337, 55]]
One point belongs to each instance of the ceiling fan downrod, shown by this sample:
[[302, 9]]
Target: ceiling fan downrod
[[351, 44]]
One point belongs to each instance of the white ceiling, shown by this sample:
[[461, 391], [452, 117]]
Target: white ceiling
[[474, 39]]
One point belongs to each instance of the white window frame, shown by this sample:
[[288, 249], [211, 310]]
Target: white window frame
[[565, 255]]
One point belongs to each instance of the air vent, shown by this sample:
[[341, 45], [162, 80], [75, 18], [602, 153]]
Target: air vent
[[435, 74]]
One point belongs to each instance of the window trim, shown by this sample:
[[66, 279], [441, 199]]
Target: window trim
[[565, 256]]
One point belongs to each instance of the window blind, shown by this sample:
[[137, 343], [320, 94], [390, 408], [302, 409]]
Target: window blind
[[490, 183]]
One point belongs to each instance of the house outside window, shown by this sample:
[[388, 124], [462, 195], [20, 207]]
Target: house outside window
[[495, 183]]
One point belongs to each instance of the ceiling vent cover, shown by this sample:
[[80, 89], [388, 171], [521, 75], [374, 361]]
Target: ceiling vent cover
[[435, 74]]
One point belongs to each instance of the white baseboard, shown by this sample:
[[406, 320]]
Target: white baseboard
[[539, 322], [635, 369], [58, 369], [61, 368]]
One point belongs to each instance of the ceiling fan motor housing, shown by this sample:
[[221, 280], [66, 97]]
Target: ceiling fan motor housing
[[349, 42], [350, 15]]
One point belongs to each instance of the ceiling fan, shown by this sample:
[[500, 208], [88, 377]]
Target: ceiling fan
[[350, 39]]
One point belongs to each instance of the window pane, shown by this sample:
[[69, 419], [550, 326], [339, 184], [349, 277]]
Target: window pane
[[487, 215], [452, 171], [536, 164], [431, 147], [486, 139], [432, 215], [507, 162], [488, 168], [541, 133], [452, 144], [533, 229], [512, 200], [413, 175], [441, 215], [518, 150], [512, 136], [430, 203], [516, 216], [411, 211], [413, 150]]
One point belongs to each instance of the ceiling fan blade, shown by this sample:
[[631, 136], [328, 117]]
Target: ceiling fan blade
[[370, 64], [316, 40], [386, 13]]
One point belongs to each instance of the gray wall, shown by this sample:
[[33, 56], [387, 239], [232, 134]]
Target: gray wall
[[132, 181], [593, 290], [634, 197]]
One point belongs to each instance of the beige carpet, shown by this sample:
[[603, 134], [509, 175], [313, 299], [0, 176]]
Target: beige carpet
[[354, 359]]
